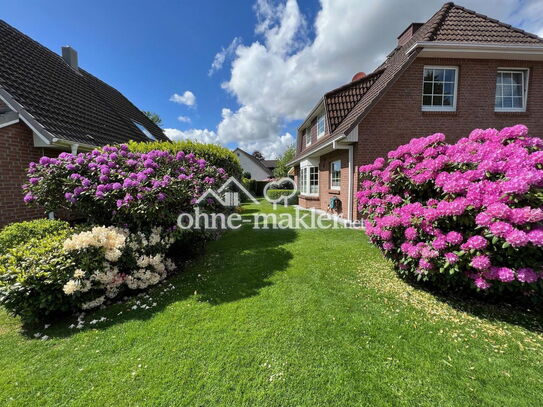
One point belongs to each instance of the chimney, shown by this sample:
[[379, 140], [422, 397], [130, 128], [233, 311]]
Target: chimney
[[358, 75], [70, 57], [408, 33]]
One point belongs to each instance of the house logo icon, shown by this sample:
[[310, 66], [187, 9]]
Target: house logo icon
[[225, 196]]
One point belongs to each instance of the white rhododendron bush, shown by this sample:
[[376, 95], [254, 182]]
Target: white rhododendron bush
[[463, 215], [80, 270], [111, 260]]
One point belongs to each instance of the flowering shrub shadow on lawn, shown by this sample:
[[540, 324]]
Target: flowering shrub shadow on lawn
[[484, 307], [237, 266]]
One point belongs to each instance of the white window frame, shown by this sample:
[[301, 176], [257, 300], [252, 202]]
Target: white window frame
[[323, 132], [332, 179], [451, 108], [525, 82], [307, 136], [305, 180]]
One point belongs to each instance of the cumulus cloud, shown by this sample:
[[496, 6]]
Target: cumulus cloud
[[271, 150], [223, 54], [201, 135], [184, 119], [186, 98], [280, 76]]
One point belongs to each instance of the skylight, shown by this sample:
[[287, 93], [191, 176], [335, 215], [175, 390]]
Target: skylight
[[144, 130]]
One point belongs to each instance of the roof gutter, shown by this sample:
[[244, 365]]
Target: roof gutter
[[73, 145], [477, 48], [310, 153]]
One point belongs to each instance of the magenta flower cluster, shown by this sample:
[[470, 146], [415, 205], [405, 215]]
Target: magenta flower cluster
[[113, 186], [472, 209]]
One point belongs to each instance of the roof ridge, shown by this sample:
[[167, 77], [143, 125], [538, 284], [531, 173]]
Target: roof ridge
[[352, 83], [494, 20], [440, 18]]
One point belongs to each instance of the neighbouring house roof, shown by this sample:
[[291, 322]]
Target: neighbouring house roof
[[451, 24], [270, 164], [258, 162], [65, 103]]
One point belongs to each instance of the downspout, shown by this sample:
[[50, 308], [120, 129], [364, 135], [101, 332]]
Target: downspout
[[337, 146]]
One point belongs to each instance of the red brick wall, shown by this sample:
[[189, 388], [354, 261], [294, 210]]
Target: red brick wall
[[18, 150], [398, 117]]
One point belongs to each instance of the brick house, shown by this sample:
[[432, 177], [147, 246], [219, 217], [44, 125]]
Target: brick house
[[458, 71], [48, 104]]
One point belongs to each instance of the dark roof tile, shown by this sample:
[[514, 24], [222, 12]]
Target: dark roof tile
[[71, 105]]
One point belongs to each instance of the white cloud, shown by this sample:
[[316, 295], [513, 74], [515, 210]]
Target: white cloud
[[184, 119], [271, 150], [186, 98], [221, 56], [280, 77], [204, 136]]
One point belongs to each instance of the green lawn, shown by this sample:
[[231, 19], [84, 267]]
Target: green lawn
[[281, 318]]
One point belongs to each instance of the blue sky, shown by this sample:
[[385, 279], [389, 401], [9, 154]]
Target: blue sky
[[284, 54]]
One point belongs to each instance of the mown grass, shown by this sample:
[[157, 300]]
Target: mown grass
[[281, 318]]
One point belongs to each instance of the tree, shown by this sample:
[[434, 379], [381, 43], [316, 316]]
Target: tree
[[258, 155], [281, 170], [154, 117]]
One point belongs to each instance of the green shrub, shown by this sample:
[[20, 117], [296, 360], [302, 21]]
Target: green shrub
[[21, 232], [277, 193], [214, 154], [32, 275], [81, 269]]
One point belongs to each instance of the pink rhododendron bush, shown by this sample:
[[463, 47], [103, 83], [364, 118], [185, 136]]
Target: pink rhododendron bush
[[114, 186], [464, 214]]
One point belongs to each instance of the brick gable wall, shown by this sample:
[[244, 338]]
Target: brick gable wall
[[18, 152], [397, 118]]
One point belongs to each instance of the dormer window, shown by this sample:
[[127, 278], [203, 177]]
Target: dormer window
[[145, 132], [321, 126], [307, 137]]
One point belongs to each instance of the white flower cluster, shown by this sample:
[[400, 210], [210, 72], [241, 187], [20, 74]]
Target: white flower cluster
[[147, 251], [110, 238]]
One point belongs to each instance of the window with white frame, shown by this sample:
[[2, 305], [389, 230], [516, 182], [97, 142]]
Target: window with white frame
[[307, 136], [321, 126], [335, 174], [439, 88], [309, 180], [511, 90]]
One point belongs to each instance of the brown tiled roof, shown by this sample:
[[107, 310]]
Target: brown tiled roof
[[451, 23], [71, 105], [463, 25], [339, 102]]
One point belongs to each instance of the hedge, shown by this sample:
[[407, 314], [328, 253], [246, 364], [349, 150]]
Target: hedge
[[277, 193], [19, 233], [214, 154]]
